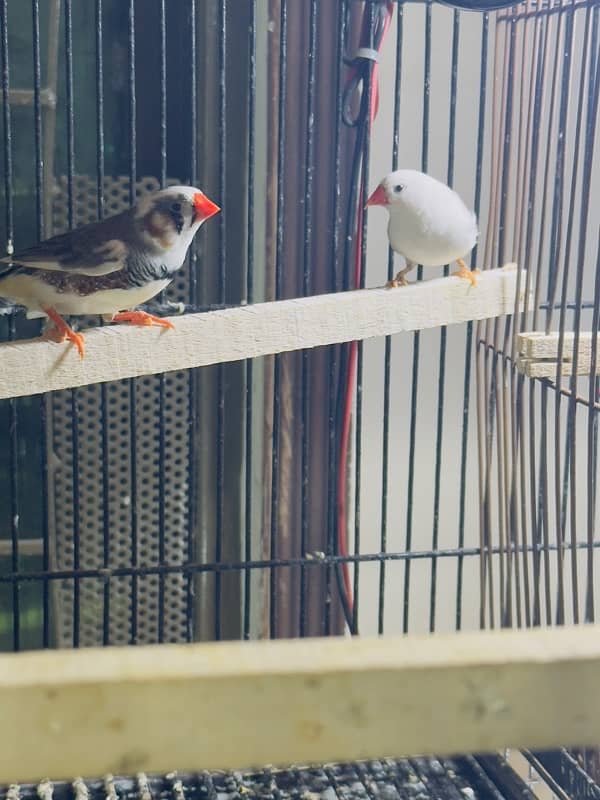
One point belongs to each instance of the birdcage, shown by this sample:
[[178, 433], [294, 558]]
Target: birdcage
[[307, 453]]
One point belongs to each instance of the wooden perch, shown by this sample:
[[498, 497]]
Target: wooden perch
[[245, 704], [539, 354], [121, 351]]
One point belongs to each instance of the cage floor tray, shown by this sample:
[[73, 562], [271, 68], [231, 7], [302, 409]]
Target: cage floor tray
[[388, 779]]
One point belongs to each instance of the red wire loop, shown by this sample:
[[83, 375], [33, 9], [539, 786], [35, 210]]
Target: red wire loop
[[353, 356]]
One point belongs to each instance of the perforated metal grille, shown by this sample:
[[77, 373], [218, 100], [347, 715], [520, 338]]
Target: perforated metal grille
[[92, 490]]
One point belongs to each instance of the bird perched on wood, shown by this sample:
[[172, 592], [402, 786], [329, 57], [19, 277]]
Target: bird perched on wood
[[108, 267], [429, 223]]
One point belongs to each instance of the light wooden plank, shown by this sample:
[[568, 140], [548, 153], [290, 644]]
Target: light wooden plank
[[536, 344], [547, 369], [237, 705], [540, 351], [122, 351]]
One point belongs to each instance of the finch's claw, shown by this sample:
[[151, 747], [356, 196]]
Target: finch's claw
[[464, 272], [400, 278], [59, 331], [396, 282], [141, 318]]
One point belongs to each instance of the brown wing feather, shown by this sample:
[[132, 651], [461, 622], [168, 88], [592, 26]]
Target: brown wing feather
[[95, 249]]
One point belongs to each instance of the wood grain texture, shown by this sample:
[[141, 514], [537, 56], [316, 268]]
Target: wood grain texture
[[533, 368], [236, 705], [122, 351], [539, 353]]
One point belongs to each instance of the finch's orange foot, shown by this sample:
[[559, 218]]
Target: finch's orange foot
[[60, 331], [399, 280], [464, 272], [141, 318]]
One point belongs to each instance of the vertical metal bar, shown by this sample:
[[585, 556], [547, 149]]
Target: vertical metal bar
[[592, 446], [569, 475], [193, 296], [499, 384], [13, 418], [443, 335], [132, 383], [556, 237], [162, 449], [306, 287], [387, 362], [220, 497], [37, 120], [249, 299], [544, 500], [594, 382], [281, 130], [334, 360], [588, 156], [7, 131], [74, 405], [358, 408], [469, 335], [76, 518], [506, 150], [99, 109], [193, 121], [15, 510], [417, 335], [39, 195], [556, 244], [517, 522], [533, 130], [486, 375], [531, 205], [70, 109], [103, 387], [162, 50]]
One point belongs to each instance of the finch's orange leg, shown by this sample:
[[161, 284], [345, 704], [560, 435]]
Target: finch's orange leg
[[400, 278], [61, 331], [141, 318], [465, 272]]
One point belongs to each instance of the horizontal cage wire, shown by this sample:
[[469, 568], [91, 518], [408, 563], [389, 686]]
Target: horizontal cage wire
[[442, 479]]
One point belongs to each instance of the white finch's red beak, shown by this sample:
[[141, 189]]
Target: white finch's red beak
[[205, 208], [378, 198]]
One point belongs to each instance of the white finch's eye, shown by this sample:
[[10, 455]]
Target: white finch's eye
[[398, 188], [176, 207]]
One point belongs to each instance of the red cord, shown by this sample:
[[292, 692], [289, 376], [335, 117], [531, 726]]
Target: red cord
[[353, 356]]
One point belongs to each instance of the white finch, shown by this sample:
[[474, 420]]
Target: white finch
[[429, 224], [110, 266]]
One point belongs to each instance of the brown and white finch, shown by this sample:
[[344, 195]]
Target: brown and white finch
[[429, 223], [108, 267]]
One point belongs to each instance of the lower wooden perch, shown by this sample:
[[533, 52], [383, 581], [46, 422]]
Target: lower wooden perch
[[237, 705], [539, 354], [121, 351]]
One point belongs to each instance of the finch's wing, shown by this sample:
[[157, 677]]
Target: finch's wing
[[94, 249]]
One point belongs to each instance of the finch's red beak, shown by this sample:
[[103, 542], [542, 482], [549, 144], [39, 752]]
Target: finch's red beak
[[378, 198], [205, 208]]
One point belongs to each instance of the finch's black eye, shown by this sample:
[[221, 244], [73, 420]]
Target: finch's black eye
[[176, 216], [398, 188]]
